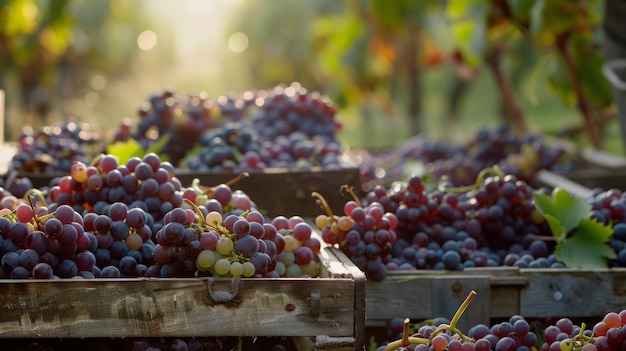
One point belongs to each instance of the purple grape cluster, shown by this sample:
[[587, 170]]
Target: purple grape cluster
[[237, 147], [181, 119], [460, 164], [284, 110], [492, 225], [365, 234], [609, 334], [64, 244], [133, 220], [514, 334], [54, 148]]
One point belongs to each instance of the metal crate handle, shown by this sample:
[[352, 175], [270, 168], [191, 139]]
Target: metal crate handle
[[224, 297]]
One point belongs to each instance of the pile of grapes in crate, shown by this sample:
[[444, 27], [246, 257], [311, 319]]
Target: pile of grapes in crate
[[514, 334], [284, 127], [461, 163], [497, 221], [115, 220]]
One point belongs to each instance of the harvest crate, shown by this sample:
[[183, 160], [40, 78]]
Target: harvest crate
[[501, 293], [596, 169], [276, 191], [326, 313], [287, 193]]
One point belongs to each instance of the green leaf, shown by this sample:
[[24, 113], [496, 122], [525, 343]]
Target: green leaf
[[567, 209], [588, 248], [159, 144], [124, 150], [558, 231], [521, 9], [469, 27]]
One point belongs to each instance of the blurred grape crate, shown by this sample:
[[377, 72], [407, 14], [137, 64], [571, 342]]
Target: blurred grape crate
[[325, 313], [501, 292], [596, 169]]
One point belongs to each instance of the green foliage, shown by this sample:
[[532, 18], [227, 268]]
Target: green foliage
[[582, 242], [124, 150], [469, 26]]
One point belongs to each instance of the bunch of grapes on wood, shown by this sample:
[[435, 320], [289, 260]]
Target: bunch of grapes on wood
[[365, 234]]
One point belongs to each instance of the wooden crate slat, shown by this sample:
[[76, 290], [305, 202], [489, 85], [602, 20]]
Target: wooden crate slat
[[573, 293], [174, 307]]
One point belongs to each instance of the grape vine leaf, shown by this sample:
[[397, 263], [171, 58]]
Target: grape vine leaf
[[124, 150], [567, 209], [582, 242], [587, 248]]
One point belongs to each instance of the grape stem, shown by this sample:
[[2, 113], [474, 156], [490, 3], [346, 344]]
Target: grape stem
[[38, 193], [323, 204], [406, 340], [350, 190], [196, 209], [495, 170], [195, 184]]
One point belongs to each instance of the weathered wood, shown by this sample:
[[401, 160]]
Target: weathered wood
[[573, 293], [175, 307], [604, 159], [428, 294], [319, 312], [555, 180]]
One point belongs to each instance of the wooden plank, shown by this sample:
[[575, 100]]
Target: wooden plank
[[400, 295], [572, 292], [175, 307], [554, 180], [450, 291], [604, 159]]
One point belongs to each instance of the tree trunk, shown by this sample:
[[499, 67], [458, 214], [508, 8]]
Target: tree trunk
[[414, 79], [513, 114]]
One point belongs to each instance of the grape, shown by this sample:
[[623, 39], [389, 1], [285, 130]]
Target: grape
[[248, 246], [439, 343], [205, 259], [222, 266], [236, 269], [224, 246], [248, 269], [42, 270], [303, 255], [24, 213]]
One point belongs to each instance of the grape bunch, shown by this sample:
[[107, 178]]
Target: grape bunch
[[514, 334], [43, 242], [238, 147], [181, 119], [145, 183], [284, 110], [365, 234], [460, 164], [494, 223], [607, 335], [54, 148], [233, 245]]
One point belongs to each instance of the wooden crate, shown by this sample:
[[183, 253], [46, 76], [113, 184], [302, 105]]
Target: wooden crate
[[596, 169], [275, 191], [288, 193], [501, 293], [326, 313]]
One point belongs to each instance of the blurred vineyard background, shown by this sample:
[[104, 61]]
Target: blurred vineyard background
[[395, 69]]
